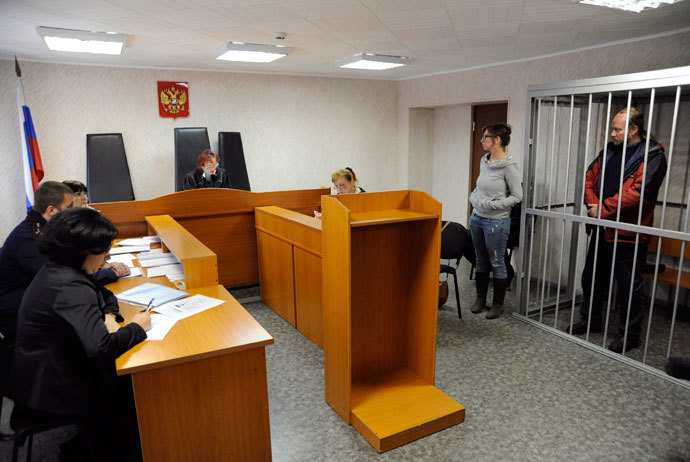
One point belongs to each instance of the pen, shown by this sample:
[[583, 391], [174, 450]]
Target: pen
[[149, 306]]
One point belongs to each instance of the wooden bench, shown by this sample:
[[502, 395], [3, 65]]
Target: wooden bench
[[672, 248]]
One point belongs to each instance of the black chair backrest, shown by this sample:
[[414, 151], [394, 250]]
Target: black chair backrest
[[189, 142], [514, 236], [453, 241], [232, 153], [107, 171]]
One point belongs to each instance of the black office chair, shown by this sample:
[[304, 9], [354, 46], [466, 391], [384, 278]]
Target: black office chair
[[107, 170], [189, 143], [452, 246], [25, 425]]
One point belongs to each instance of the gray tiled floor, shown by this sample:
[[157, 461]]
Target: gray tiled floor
[[529, 396]]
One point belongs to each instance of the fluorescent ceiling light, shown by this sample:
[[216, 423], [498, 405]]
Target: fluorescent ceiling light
[[82, 41], [629, 5], [374, 62], [251, 52]]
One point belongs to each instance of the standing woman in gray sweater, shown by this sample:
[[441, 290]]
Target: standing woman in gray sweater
[[498, 190]]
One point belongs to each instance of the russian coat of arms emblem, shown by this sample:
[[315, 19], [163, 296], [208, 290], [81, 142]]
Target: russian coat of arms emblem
[[173, 99]]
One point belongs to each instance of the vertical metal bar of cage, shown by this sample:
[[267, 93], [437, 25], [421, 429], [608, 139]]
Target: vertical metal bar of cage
[[663, 207], [533, 197], [598, 229], [542, 249], [545, 237], [582, 195], [618, 218], [650, 116], [681, 257], [565, 209]]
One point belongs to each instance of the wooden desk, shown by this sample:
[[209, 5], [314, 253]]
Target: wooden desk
[[200, 264], [289, 250], [201, 393], [222, 219]]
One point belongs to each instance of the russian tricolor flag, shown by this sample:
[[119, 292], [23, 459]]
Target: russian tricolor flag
[[31, 156]]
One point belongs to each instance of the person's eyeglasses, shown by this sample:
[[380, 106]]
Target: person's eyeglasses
[[484, 137], [210, 166]]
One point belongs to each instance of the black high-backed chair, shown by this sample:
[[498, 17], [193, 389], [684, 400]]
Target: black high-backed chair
[[232, 155], [189, 142], [452, 246], [107, 171]]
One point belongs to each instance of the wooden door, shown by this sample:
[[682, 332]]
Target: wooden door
[[483, 114]]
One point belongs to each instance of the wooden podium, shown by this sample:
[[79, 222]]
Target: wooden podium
[[381, 254]]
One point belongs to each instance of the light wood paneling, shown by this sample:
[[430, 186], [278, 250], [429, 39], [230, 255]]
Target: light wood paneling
[[222, 219], [200, 264], [221, 330], [335, 242], [308, 293], [294, 292], [212, 409], [401, 407], [276, 276]]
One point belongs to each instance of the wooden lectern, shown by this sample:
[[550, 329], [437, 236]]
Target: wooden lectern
[[381, 254]]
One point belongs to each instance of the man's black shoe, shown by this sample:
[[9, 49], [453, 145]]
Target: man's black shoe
[[581, 328], [617, 345]]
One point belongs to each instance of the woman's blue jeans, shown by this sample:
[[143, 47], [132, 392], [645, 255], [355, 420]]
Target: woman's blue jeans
[[490, 236]]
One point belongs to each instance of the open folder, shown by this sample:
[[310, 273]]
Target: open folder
[[144, 294]]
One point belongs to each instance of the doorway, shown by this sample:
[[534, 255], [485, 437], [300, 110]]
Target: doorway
[[482, 115]]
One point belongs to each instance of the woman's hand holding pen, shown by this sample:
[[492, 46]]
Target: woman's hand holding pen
[[143, 319]]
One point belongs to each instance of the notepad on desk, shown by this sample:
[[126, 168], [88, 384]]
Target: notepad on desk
[[129, 248], [145, 293]]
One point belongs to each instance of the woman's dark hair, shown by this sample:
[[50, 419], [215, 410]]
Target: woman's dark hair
[[71, 235], [503, 131], [76, 186]]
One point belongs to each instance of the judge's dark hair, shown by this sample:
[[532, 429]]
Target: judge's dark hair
[[205, 156], [501, 130], [76, 186], [50, 193], [71, 235]]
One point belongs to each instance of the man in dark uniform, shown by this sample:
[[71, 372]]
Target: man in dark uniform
[[20, 259]]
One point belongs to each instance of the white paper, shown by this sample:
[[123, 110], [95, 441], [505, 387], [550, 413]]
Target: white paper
[[152, 254], [129, 248], [171, 271], [189, 306], [160, 260], [160, 326], [133, 273], [152, 238], [125, 258], [134, 241]]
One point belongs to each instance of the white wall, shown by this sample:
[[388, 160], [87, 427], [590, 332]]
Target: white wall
[[508, 82], [295, 130], [451, 172]]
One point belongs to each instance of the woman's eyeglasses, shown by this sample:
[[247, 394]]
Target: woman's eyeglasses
[[484, 137], [210, 166]]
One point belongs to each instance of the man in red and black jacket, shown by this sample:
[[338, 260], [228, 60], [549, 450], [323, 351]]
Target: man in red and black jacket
[[642, 173]]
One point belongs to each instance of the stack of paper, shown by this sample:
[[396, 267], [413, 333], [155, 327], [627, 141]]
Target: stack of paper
[[125, 258], [173, 272], [147, 261]]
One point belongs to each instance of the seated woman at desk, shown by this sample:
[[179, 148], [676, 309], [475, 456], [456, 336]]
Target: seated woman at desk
[[68, 338], [81, 198], [345, 181], [208, 174]]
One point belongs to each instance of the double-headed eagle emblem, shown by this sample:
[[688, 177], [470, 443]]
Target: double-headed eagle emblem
[[173, 100]]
